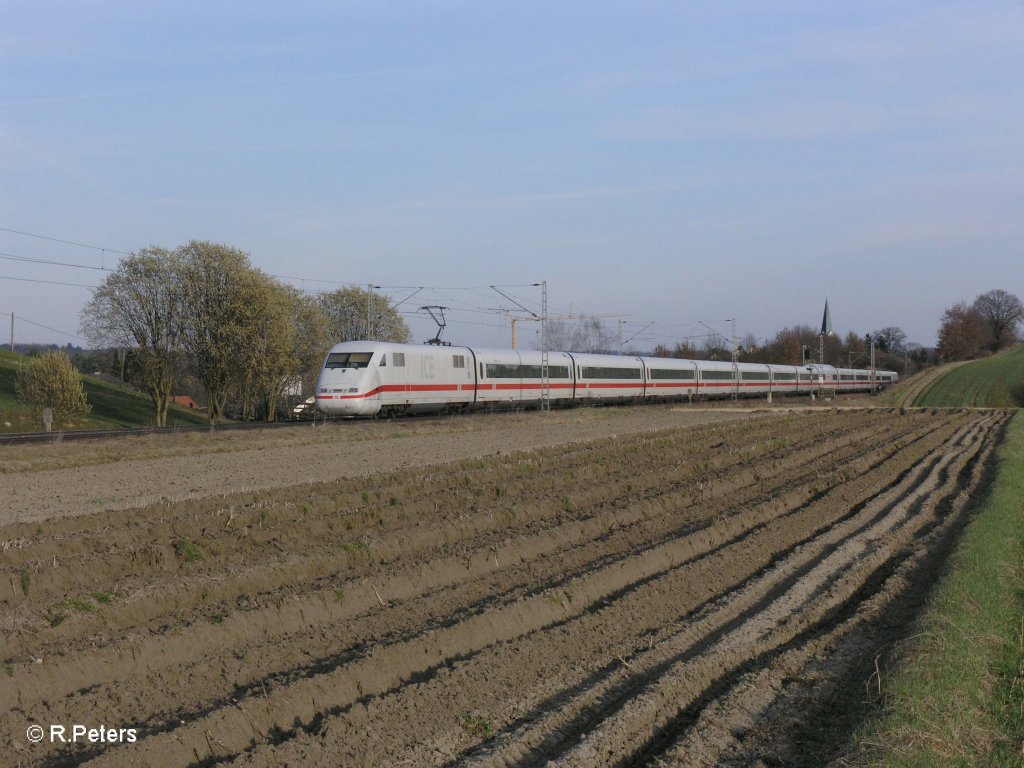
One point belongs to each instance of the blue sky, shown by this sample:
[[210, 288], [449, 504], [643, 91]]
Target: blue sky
[[670, 162]]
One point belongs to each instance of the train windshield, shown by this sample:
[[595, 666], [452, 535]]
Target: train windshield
[[348, 359]]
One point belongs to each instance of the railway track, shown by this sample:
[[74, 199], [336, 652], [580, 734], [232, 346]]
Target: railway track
[[60, 436]]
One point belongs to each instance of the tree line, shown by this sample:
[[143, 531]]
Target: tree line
[[989, 324], [203, 312], [795, 345], [985, 326]]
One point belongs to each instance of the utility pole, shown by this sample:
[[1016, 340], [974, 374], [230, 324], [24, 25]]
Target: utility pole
[[12, 331], [622, 342], [735, 362], [545, 382], [369, 309], [735, 355], [535, 318], [514, 320], [873, 377]]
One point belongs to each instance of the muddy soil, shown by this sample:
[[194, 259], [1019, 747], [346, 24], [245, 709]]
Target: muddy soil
[[662, 594]]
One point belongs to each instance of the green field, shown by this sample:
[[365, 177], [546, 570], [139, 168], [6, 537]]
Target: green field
[[112, 405], [995, 382], [957, 695]]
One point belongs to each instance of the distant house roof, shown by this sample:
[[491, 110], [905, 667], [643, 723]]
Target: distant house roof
[[184, 400]]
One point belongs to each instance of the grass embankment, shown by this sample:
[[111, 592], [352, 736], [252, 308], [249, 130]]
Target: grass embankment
[[995, 382], [957, 697], [112, 405]]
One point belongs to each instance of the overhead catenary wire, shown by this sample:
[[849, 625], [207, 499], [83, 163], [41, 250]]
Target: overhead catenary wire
[[51, 262], [282, 277], [66, 242], [300, 279], [460, 305], [46, 282], [24, 319]]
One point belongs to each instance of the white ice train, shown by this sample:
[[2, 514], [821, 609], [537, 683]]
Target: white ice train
[[370, 378]]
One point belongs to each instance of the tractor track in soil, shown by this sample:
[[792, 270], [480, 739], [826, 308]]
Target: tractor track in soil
[[625, 601]]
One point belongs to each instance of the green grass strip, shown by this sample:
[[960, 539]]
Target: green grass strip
[[957, 697], [112, 405]]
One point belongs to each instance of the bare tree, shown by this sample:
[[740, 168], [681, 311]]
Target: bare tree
[[312, 339], [789, 343], [559, 335], [138, 307], [587, 334], [220, 293], [267, 360], [854, 350], [355, 314], [890, 339], [716, 347], [684, 350], [591, 335], [1003, 312], [963, 332]]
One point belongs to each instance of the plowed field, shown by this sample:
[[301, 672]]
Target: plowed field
[[697, 595]]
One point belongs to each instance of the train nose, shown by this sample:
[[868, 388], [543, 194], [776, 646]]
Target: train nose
[[332, 400], [345, 401]]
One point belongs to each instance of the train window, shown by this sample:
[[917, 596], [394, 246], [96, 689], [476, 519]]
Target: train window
[[716, 375], [502, 371], [534, 371], [611, 373], [398, 359], [458, 361], [663, 373], [348, 359], [383, 361], [781, 376], [754, 375], [508, 371]]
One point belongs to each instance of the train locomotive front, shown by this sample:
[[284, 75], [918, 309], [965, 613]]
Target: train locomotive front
[[349, 380], [367, 378]]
